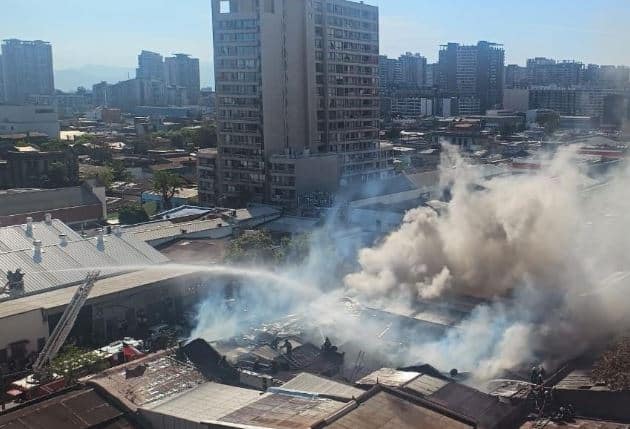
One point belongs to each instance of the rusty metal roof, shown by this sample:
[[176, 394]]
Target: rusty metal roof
[[78, 410], [310, 383], [386, 410], [279, 411]]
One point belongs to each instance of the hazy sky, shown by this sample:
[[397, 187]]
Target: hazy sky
[[112, 32]]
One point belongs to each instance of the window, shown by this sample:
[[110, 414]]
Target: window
[[225, 6], [270, 6]]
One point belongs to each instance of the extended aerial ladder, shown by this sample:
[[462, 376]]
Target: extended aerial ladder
[[64, 326]]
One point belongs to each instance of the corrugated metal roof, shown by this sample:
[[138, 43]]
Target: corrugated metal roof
[[63, 265], [82, 409], [310, 383], [385, 410], [426, 385], [388, 377], [210, 401], [59, 297], [284, 411]]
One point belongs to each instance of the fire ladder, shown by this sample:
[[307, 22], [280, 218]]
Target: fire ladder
[[65, 324]]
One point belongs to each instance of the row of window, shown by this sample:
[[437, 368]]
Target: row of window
[[248, 115], [342, 125], [238, 89], [238, 77], [346, 69], [338, 45], [237, 37], [237, 24], [238, 127], [237, 51], [337, 33], [348, 92], [241, 153], [348, 103], [347, 58], [233, 63], [230, 139], [239, 101]]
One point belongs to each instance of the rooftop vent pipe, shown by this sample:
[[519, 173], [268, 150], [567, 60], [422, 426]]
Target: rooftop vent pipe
[[48, 218], [29, 226], [100, 241], [63, 240], [37, 250]]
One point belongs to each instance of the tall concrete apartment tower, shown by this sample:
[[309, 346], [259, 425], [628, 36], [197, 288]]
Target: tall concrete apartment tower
[[27, 70], [150, 66], [183, 71], [474, 74], [297, 98]]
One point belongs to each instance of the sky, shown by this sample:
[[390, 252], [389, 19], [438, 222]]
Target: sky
[[111, 33]]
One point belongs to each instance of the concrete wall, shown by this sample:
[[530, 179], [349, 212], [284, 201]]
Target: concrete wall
[[25, 119], [317, 173], [29, 326]]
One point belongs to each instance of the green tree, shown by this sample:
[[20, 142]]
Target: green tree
[[207, 136], [252, 247], [57, 175], [167, 185], [119, 171], [104, 174], [132, 214]]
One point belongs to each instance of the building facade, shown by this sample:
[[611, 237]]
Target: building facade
[[183, 71], [474, 74], [294, 78], [207, 177], [30, 118], [150, 66], [27, 69]]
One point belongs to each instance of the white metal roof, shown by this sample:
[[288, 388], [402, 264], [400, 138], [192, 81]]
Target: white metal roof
[[66, 264]]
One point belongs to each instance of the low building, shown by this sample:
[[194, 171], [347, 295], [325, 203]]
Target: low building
[[583, 123], [182, 197], [29, 167], [85, 204], [77, 409], [26, 119], [296, 177], [54, 260]]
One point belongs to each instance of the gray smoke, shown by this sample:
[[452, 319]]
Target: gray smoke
[[538, 247]]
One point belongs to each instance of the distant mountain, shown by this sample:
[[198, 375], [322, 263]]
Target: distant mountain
[[88, 75]]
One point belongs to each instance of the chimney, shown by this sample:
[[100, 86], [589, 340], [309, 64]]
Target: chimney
[[29, 226], [100, 241], [37, 250], [63, 240], [48, 218]]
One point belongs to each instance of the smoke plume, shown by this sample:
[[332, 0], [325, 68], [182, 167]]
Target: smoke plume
[[537, 247]]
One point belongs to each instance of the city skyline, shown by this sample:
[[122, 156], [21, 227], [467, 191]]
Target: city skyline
[[589, 34]]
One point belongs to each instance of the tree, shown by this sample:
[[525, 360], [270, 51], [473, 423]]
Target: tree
[[132, 214], [207, 137], [167, 185], [57, 175], [119, 171], [104, 174], [252, 246]]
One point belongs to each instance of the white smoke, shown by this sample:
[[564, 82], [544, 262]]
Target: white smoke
[[536, 246]]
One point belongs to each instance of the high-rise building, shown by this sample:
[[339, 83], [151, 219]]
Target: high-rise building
[[183, 71], [150, 66], [413, 69], [389, 72], [474, 74], [297, 97], [516, 76], [545, 71], [27, 69], [431, 76]]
